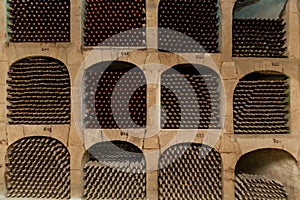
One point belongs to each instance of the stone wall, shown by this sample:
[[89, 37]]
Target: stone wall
[[153, 140]]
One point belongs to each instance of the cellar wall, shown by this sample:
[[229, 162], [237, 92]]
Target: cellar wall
[[153, 140]]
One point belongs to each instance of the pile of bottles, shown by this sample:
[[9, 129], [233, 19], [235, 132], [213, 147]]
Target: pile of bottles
[[248, 186], [190, 100], [258, 38], [115, 98], [190, 171], [38, 92], [115, 171], [196, 19], [106, 18], [39, 21], [261, 106], [38, 167]]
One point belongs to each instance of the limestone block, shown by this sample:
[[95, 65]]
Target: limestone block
[[226, 12], [259, 65], [167, 59], [76, 178], [137, 141], [60, 54], [12, 54], [3, 134], [37, 130], [152, 57], [91, 137], [2, 94], [167, 138], [61, 133], [244, 68], [229, 87], [228, 188], [229, 161], [76, 153], [152, 186], [3, 152], [291, 69], [2, 162], [152, 157], [2, 171], [74, 136], [229, 144], [226, 47], [74, 57], [136, 137], [137, 57], [183, 136], [151, 142], [76, 193], [273, 65], [73, 73], [228, 174], [2, 113], [293, 37], [14, 133], [111, 135], [229, 71], [3, 45]]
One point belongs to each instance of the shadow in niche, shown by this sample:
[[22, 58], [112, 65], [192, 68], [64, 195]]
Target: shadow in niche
[[275, 164]]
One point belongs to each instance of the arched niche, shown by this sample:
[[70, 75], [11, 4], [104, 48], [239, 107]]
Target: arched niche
[[38, 91], [114, 170], [32, 21], [37, 167], [268, 173], [190, 171], [197, 20], [106, 19], [114, 96], [261, 103], [190, 98], [258, 28]]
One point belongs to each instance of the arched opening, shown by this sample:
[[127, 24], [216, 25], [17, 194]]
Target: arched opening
[[115, 96], [190, 98], [32, 21], [38, 92], [261, 104], [258, 28], [114, 170], [38, 167], [104, 19], [190, 171], [198, 20], [268, 174]]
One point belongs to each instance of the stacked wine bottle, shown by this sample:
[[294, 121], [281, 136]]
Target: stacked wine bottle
[[261, 105], [115, 98], [106, 18], [115, 171], [253, 187], [190, 171], [39, 21], [190, 100], [258, 38], [38, 92], [38, 167], [196, 19]]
